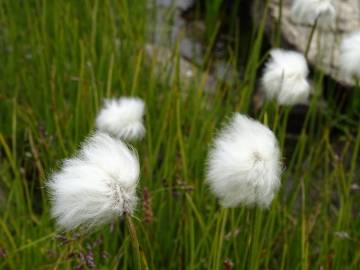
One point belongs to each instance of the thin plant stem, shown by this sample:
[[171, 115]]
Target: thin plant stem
[[134, 239], [256, 244], [220, 236], [310, 38], [304, 248], [285, 113]]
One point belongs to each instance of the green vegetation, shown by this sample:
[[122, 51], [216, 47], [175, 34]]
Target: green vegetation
[[59, 59]]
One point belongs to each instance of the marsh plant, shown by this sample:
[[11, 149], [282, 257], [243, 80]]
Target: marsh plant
[[319, 14], [285, 78], [243, 169], [194, 179], [95, 186], [122, 118], [99, 184], [244, 163]]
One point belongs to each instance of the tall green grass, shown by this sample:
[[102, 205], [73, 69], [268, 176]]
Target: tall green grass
[[59, 59]]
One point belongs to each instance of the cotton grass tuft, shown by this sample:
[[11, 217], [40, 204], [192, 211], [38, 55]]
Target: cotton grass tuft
[[285, 78], [350, 55], [96, 186], [244, 163], [310, 11], [122, 118]]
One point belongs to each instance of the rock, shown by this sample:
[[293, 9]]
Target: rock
[[181, 4], [324, 50], [171, 31]]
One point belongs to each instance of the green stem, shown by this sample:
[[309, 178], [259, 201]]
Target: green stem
[[286, 113], [134, 239], [256, 245], [220, 237], [310, 38], [304, 245]]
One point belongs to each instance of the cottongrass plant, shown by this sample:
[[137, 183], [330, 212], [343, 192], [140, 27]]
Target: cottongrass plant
[[244, 163], [317, 13], [243, 168], [285, 78], [320, 12], [350, 56], [96, 186], [122, 118]]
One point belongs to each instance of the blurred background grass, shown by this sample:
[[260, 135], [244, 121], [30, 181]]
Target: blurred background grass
[[59, 59]]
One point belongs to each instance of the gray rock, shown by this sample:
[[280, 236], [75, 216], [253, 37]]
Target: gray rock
[[181, 4]]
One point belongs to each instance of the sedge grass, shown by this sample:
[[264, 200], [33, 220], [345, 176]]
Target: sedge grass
[[61, 58]]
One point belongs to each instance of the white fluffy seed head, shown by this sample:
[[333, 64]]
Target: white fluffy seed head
[[244, 163], [350, 55], [285, 78], [308, 11], [96, 186], [122, 118]]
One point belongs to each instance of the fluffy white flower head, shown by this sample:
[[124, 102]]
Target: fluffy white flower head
[[350, 55], [122, 118], [244, 163], [285, 78], [96, 186], [308, 11]]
